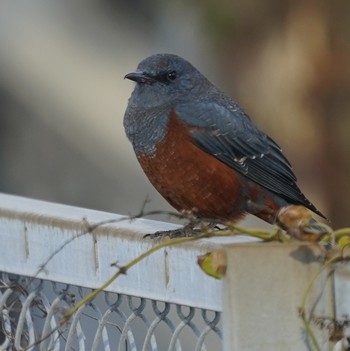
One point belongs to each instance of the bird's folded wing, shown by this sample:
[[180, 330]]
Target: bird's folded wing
[[227, 133]]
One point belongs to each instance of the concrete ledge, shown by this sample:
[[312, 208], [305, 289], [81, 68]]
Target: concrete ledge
[[259, 296]]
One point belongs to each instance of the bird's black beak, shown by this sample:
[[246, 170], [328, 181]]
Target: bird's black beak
[[140, 77]]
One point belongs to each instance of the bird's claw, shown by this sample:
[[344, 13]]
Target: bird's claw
[[174, 233]]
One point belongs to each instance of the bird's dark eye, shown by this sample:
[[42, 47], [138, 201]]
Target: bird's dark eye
[[171, 75]]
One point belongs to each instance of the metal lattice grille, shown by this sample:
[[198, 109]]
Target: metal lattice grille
[[32, 308]]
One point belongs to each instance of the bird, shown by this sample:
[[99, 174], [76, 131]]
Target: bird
[[201, 150]]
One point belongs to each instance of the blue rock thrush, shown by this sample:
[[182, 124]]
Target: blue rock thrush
[[200, 150]]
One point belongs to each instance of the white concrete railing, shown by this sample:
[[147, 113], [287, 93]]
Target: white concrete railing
[[258, 298]]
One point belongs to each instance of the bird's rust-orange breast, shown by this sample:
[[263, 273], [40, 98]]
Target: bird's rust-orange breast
[[190, 179]]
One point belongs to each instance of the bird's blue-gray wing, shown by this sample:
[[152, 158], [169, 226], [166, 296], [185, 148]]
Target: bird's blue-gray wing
[[227, 133]]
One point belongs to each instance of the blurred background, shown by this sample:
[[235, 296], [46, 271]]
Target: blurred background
[[63, 96]]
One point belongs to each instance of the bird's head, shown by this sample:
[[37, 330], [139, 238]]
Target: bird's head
[[165, 78]]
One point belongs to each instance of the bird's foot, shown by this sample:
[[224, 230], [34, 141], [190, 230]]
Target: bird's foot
[[175, 233], [194, 228]]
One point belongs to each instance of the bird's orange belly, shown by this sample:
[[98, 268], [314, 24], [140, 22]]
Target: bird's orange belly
[[192, 180]]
